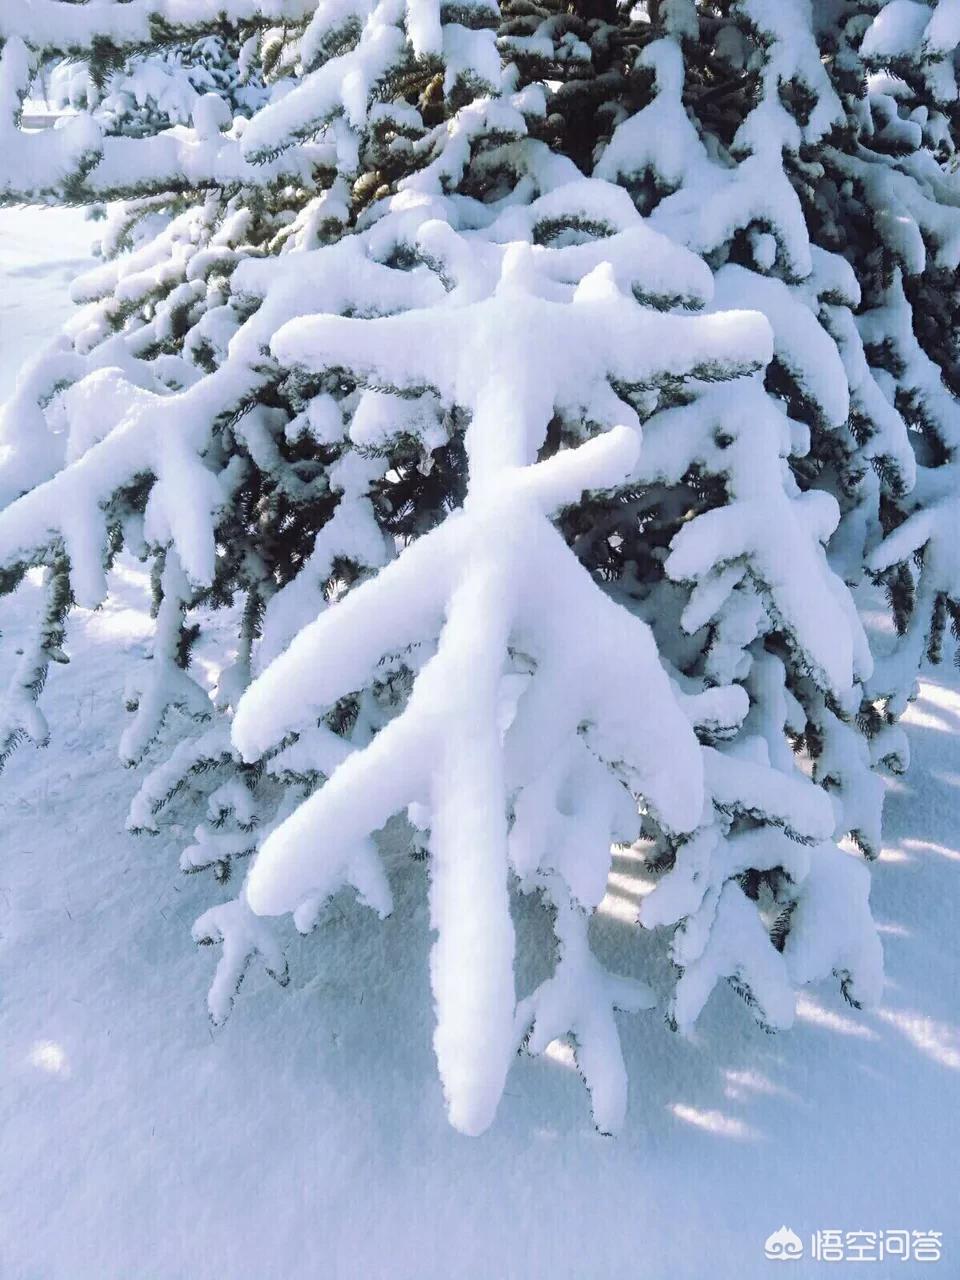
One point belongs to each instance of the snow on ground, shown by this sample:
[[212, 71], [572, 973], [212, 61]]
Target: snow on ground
[[41, 251], [308, 1138]]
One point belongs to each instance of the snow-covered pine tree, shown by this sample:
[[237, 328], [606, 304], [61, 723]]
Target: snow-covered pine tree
[[540, 387], [161, 88]]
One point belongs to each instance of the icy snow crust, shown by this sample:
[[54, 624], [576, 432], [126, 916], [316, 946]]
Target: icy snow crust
[[527, 716]]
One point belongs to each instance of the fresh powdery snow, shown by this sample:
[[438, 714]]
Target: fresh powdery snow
[[308, 1136], [41, 252]]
